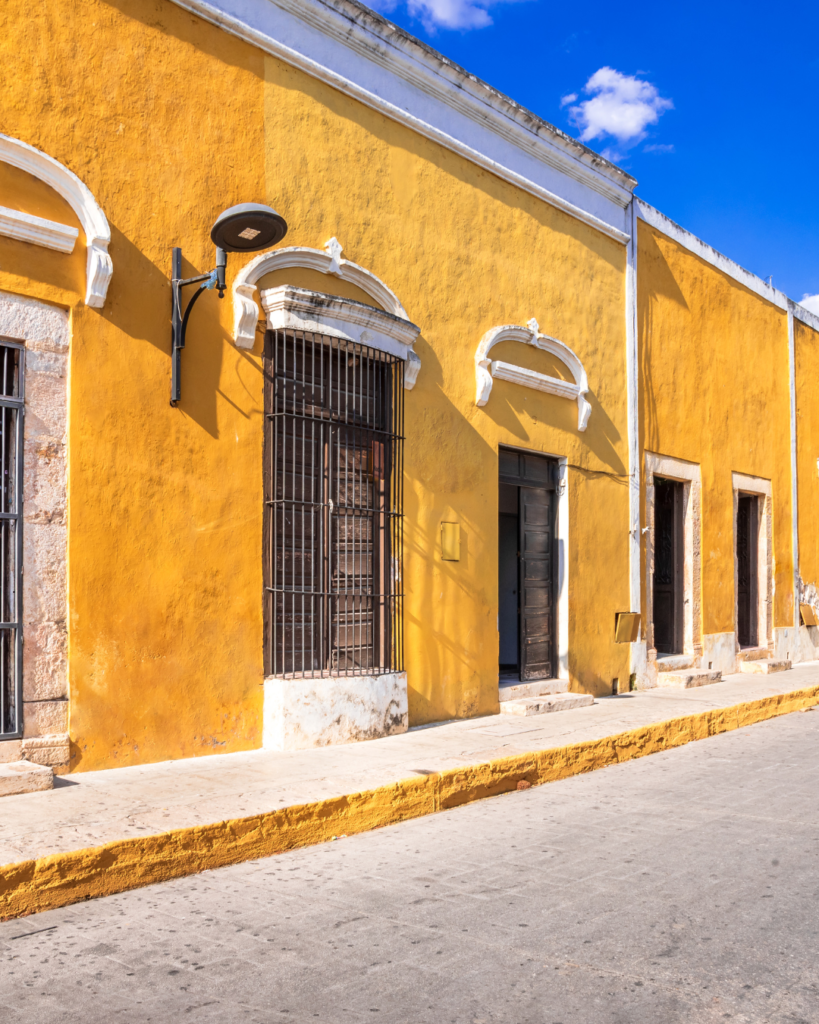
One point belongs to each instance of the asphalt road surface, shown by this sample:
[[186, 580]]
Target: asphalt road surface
[[681, 887]]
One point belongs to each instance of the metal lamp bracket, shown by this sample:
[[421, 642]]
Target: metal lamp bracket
[[179, 320]]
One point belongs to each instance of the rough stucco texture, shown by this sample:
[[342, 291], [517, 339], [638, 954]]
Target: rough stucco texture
[[164, 578], [714, 391]]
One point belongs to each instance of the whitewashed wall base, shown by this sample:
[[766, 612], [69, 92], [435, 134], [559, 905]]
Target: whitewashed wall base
[[719, 652], [303, 713], [796, 645]]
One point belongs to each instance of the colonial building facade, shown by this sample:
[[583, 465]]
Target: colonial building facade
[[484, 424]]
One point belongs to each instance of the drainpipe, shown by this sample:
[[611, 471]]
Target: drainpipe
[[794, 488], [633, 409]]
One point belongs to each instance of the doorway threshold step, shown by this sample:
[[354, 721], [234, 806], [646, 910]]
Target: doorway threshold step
[[675, 662], [764, 666], [687, 680], [546, 703], [753, 654], [538, 688]]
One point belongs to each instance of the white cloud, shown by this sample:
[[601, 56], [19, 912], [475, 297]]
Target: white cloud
[[658, 148], [621, 106], [452, 14], [811, 303]]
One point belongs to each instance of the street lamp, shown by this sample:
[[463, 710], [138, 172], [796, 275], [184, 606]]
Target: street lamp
[[247, 227]]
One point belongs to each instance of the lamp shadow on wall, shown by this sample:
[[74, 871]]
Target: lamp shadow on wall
[[138, 304]]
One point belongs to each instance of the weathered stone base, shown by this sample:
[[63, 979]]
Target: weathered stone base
[[796, 645], [302, 713], [24, 777], [717, 652], [53, 751]]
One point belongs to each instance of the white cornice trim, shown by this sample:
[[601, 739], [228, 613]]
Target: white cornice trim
[[733, 270], [246, 312], [486, 370], [82, 202], [25, 227], [384, 55], [288, 308], [805, 315]]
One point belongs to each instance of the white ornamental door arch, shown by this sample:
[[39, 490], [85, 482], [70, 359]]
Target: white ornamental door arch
[[52, 235], [486, 369]]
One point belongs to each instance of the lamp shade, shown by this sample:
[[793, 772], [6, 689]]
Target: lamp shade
[[248, 227]]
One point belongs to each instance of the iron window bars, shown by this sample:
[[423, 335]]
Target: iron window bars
[[11, 540], [333, 475]]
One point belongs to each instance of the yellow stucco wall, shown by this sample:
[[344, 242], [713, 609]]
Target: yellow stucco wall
[[714, 390], [165, 585], [806, 353]]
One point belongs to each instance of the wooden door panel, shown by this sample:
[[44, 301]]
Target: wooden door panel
[[537, 625]]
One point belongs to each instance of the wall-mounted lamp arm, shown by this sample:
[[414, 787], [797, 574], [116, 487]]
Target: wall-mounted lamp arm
[[179, 321]]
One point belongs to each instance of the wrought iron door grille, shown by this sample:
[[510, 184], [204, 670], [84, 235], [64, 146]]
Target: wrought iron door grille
[[11, 540], [333, 507]]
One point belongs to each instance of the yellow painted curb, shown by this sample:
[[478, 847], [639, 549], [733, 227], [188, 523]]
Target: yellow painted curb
[[64, 878]]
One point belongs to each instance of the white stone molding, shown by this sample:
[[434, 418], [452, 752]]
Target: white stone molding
[[288, 308], [82, 202], [25, 227], [362, 55], [43, 330], [245, 310], [487, 369], [744, 484], [689, 474]]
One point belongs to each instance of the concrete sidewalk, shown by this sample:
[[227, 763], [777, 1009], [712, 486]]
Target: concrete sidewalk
[[102, 832]]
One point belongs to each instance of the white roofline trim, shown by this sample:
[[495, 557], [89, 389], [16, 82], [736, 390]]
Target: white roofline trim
[[733, 270], [481, 110], [82, 202], [710, 255]]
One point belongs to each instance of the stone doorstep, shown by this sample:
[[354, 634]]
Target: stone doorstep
[[675, 662], [687, 680], [24, 777], [753, 654], [538, 688], [544, 704], [764, 666]]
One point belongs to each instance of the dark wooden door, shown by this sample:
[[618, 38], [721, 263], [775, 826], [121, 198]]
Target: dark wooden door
[[668, 566], [747, 586], [537, 618]]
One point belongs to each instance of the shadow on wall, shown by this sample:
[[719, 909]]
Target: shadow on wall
[[139, 305], [663, 285]]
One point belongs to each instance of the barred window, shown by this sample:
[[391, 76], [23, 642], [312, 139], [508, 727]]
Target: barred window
[[333, 507], [11, 540]]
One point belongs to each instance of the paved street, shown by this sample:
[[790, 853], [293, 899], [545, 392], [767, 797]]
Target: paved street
[[680, 887]]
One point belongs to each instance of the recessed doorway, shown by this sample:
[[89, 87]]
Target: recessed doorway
[[667, 590], [527, 564], [747, 555]]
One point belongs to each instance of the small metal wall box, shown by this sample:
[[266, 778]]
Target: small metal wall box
[[808, 614], [451, 542], [626, 627]]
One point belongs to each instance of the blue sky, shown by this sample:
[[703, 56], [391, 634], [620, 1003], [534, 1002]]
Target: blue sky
[[711, 106]]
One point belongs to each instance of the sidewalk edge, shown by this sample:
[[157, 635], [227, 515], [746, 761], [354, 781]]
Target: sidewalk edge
[[63, 878]]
